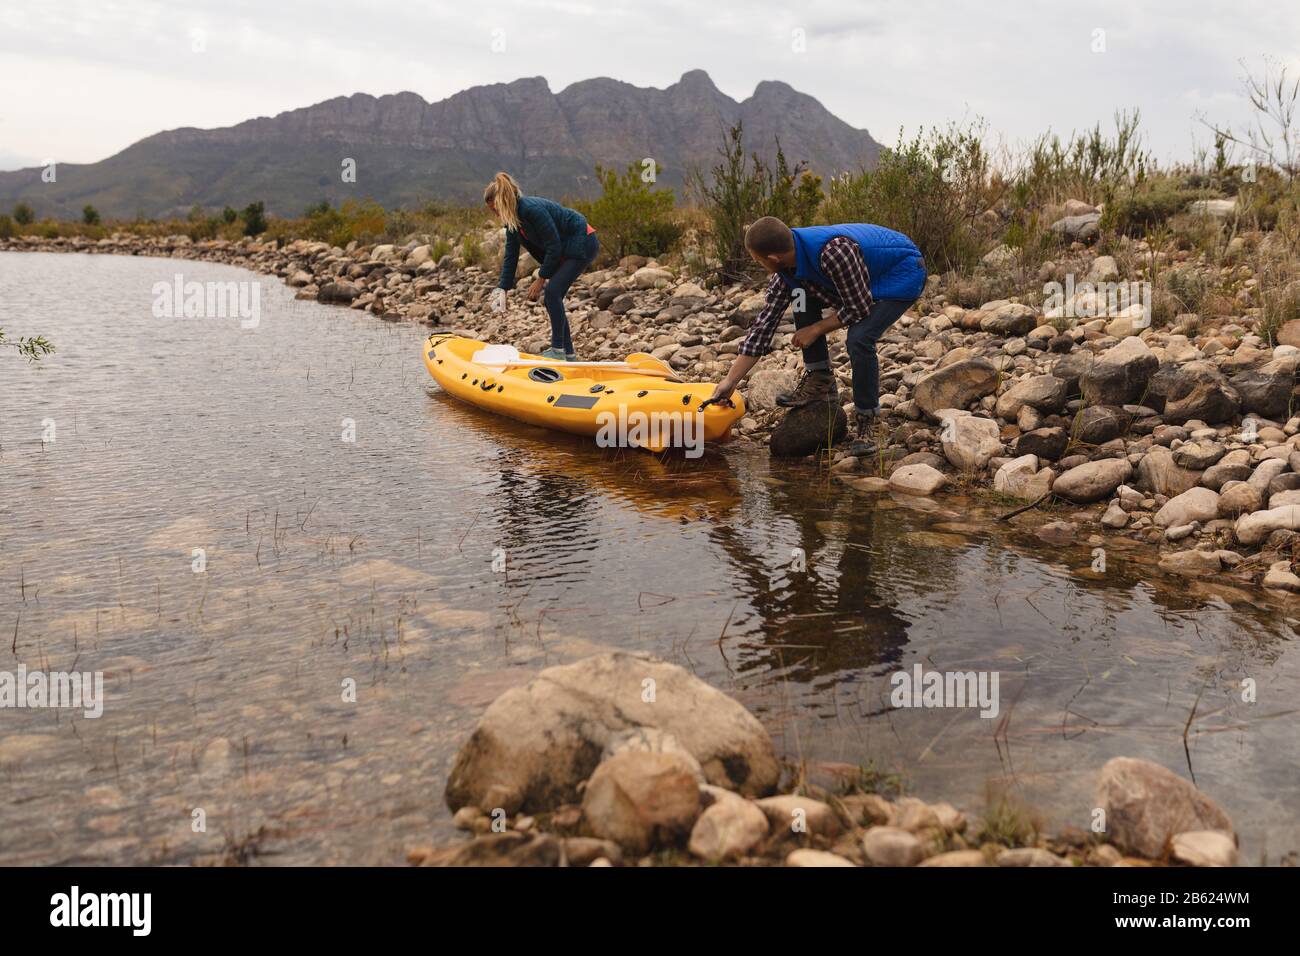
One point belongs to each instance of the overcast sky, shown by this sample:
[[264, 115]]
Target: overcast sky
[[81, 80]]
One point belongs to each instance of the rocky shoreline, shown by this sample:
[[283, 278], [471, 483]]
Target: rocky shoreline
[[625, 760], [1180, 438]]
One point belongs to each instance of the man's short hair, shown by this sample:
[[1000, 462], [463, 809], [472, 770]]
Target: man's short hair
[[769, 236]]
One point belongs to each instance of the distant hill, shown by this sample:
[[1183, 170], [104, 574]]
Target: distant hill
[[408, 151]]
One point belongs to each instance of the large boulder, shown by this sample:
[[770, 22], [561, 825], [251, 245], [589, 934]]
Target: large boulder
[[1196, 390], [955, 386], [1022, 478], [1195, 504], [535, 744], [917, 479], [1092, 481], [1252, 529], [1098, 424], [1071, 369], [1147, 806], [968, 442], [808, 429], [1266, 390], [1009, 318], [1120, 375], [1081, 228], [1159, 474], [1045, 443], [1047, 393], [341, 291]]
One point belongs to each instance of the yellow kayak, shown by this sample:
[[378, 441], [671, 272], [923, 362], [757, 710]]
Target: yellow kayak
[[634, 403]]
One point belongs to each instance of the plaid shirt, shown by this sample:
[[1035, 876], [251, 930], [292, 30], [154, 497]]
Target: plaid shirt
[[850, 294]]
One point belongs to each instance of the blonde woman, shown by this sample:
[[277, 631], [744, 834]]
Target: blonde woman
[[557, 237]]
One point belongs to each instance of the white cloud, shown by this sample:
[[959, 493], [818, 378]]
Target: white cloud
[[85, 79]]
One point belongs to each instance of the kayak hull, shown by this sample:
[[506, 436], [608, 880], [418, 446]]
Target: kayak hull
[[617, 407]]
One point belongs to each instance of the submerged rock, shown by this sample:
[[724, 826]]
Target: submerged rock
[[1146, 806]]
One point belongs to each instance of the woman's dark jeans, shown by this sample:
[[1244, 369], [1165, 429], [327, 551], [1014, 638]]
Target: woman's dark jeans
[[862, 338], [556, 289]]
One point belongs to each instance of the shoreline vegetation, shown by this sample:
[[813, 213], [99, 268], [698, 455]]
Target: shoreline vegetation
[[1118, 340]]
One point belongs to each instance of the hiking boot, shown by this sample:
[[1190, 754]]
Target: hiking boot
[[863, 430], [554, 355], [815, 385]]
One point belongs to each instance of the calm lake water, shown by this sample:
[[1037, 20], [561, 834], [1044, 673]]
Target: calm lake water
[[331, 561]]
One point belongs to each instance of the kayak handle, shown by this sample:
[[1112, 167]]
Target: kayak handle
[[717, 401]]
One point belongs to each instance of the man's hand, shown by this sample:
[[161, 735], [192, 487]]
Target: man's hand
[[809, 334], [722, 392], [805, 337], [536, 288]]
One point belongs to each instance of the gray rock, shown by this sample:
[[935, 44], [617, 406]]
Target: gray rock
[[1043, 443], [968, 442], [955, 386], [917, 480], [1253, 528], [1197, 391], [1092, 481], [728, 829], [810, 858], [1159, 474], [1120, 375], [1191, 563], [891, 846], [341, 291], [1098, 424], [1082, 228], [808, 429], [1195, 504], [1147, 806], [1205, 848], [1266, 390], [1030, 856], [1047, 393], [1197, 456], [642, 799]]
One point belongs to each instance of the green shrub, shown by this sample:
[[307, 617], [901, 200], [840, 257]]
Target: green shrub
[[441, 247], [254, 216], [1139, 211], [23, 214], [741, 189], [1089, 166], [6, 227], [90, 216], [631, 216], [471, 249], [931, 189]]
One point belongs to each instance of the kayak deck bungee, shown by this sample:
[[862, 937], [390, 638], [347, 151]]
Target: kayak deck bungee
[[617, 403]]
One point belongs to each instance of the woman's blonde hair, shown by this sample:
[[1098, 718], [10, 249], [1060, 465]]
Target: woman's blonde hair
[[502, 194]]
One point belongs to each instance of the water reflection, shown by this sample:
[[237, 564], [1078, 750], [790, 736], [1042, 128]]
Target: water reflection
[[376, 561]]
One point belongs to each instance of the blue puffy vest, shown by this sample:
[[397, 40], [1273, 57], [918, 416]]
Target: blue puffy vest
[[894, 264]]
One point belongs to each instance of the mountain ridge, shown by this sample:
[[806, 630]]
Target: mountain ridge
[[409, 150]]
